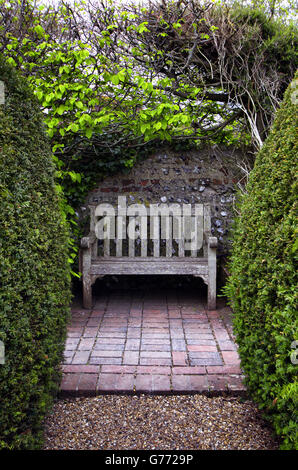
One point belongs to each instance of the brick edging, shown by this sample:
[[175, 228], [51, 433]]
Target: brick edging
[[89, 380]]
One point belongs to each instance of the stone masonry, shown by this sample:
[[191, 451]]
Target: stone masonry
[[201, 176]]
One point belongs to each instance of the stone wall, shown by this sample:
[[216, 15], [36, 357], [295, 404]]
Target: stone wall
[[197, 176]]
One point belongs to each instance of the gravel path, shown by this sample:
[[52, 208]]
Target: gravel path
[[185, 422]]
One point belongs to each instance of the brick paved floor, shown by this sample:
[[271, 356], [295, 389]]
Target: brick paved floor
[[158, 342]]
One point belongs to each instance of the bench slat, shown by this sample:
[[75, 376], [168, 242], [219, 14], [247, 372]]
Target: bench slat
[[143, 233], [169, 245], [121, 228], [155, 233], [207, 226], [131, 240]]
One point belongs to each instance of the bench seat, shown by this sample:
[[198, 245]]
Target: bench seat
[[140, 265]]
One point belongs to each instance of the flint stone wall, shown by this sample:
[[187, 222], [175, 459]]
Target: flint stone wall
[[199, 176]]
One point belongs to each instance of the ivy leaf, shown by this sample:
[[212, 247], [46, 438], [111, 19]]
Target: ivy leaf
[[88, 133]]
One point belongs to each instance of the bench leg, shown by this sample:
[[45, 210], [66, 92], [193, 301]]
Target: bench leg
[[87, 284], [211, 296], [87, 293], [211, 278]]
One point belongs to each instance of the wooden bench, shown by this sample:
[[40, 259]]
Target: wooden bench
[[145, 256]]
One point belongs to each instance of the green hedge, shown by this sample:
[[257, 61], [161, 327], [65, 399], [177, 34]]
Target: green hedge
[[262, 287], [34, 271]]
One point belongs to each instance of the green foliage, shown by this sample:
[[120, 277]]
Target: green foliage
[[34, 273], [116, 80], [262, 287]]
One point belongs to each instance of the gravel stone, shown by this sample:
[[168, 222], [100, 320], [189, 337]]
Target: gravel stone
[[146, 422]]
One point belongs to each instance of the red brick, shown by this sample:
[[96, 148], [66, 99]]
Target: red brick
[[86, 344], [81, 369], [90, 332], [111, 335], [155, 354], [154, 336], [106, 360], [179, 358], [115, 383], [125, 383], [110, 341], [218, 383], [107, 382], [189, 370], [193, 339], [97, 313], [135, 322], [221, 335], [227, 346], [177, 334], [118, 369], [108, 347], [157, 361], [189, 383], [74, 332], [71, 343], [93, 322], [195, 347], [236, 384], [230, 357], [105, 353], [133, 333], [213, 314], [159, 370], [175, 323], [69, 384], [75, 311], [160, 341], [131, 358], [224, 369], [81, 357], [87, 384], [174, 314], [152, 383], [68, 355]]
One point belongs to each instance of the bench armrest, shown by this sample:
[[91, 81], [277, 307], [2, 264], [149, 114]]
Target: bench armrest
[[210, 240], [87, 242]]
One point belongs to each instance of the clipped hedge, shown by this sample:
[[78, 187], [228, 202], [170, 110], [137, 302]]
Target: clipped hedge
[[34, 271], [262, 287]]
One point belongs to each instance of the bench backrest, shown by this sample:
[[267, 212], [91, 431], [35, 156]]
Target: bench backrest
[[164, 231]]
